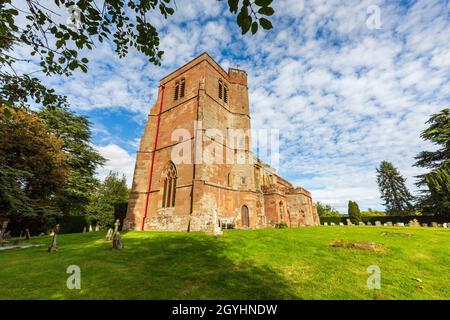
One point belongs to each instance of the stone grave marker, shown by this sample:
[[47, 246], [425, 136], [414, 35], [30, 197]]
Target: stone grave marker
[[378, 223], [90, 228], [3, 230], [332, 224], [53, 247], [84, 229], [325, 223], [97, 227], [361, 223], [369, 223], [389, 224], [414, 223], [445, 225], [117, 241], [349, 222], [400, 224], [434, 224], [109, 235], [341, 224], [27, 234], [424, 225]]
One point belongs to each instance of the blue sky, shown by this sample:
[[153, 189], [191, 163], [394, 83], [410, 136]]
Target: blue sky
[[344, 96]]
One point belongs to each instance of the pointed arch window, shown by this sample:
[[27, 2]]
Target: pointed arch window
[[170, 185]]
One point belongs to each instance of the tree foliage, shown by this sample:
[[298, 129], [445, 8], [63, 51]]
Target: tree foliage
[[126, 24], [113, 190], [32, 163], [435, 196], [353, 212], [326, 210], [397, 198], [81, 158]]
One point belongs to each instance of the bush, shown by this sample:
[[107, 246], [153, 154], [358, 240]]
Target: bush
[[72, 224], [384, 219], [281, 225]]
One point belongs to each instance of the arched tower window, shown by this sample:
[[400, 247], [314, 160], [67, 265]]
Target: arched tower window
[[170, 185]]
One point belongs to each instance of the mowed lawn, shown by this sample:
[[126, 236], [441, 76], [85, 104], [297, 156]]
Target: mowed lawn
[[256, 264]]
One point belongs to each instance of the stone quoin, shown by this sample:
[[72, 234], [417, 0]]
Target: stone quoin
[[186, 196]]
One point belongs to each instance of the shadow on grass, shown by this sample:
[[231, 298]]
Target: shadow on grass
[[177, 266]]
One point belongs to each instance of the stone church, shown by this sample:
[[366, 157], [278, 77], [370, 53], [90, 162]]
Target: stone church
[[196, 195]]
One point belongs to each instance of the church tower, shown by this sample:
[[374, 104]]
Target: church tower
[[187, 169]]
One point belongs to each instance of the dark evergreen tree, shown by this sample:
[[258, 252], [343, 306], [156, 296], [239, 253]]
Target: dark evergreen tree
[[81, 158], [434, 198], [397, 198], [353, 212]]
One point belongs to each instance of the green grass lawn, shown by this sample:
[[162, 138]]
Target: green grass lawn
[[260, 264]]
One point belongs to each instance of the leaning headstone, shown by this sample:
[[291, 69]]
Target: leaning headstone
[[3, 230], [109, 235], [445, 225], [325, 223], [361, 223], [117, 241], [378, 223], [434, 224], [53, 247], [341, 224], [27, 234]]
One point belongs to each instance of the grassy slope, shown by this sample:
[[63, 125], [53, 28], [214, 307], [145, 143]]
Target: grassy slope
[[263, 264]]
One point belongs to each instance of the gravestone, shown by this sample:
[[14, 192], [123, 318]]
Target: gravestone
[[84, 229], [361, 223], [341, 224], [369, 223], [349, 222], [53, 247], [378, 223], [90, 228], [3, 230], [332, 224], [116, 226], [400, 224], [389, 224], [109, 235], [325, 223], [424, 225], [117, 241], [434, 224], [444, 225], [414, 223], [216, 229], [97, 228], [27, 234]]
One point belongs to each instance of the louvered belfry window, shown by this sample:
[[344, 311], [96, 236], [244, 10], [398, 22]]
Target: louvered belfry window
[[176, 90], [182, 88], [220, 89]]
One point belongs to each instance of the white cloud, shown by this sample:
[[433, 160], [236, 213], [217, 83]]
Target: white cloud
[[118, 160]]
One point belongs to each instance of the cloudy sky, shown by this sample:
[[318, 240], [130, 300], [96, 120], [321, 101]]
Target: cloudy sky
[[344, 92]]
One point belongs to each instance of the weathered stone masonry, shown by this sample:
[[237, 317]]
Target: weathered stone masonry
[[183, 196]]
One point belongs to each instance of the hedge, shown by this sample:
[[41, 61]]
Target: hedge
[[393, 219]]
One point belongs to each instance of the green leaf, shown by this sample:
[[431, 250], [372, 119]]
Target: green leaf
[[263, 3], [233, 4], [267, 11], [266, 24], [254, 27]]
